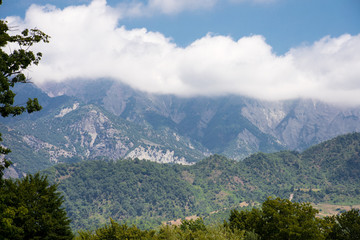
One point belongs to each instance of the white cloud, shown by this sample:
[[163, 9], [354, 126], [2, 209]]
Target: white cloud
[[174, 6], [87, 43], [254, 1], [137, 8]]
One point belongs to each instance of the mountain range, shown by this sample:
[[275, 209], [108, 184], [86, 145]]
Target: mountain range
[[84, 120], [149, 193]]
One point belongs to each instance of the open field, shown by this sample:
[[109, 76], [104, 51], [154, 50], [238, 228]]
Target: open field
[[330, 209]]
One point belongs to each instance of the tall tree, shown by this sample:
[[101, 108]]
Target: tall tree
[[12, 64], [346, 226], [30, 208], [279, 219]]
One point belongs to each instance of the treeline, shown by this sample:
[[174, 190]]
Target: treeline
[[277, 219], [31, 209]]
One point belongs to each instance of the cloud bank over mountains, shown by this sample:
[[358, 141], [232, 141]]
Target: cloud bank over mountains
[[88, 42]]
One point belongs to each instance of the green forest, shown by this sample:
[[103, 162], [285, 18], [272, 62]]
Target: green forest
[[147, 193], [31, 209]]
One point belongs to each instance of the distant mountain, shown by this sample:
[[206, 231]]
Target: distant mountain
[[231, 125], [149, 193], [76, 131], [216, 123], [104, 119]]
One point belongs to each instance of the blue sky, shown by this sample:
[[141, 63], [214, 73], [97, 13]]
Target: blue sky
[[284, 23], [268, 49]]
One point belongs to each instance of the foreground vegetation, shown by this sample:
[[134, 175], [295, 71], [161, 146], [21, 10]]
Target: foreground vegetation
[[277, 219], [31, 209]]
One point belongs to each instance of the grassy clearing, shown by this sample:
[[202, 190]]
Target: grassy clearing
[[332, 209]]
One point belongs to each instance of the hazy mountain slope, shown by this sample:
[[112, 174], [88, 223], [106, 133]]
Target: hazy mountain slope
[[338, 159], [299, 124], [88, 132], [143, 190], [69, 130], [231, 125], [90, 119]]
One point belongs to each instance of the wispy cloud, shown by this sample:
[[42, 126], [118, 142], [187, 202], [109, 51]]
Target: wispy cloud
[[87, 43], [137, 8], [174, 6], [253, 1]]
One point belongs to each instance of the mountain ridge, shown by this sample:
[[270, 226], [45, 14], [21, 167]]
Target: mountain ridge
[[182, 130]]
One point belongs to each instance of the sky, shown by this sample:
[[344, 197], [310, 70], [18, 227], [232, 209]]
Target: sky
[[264, 49]]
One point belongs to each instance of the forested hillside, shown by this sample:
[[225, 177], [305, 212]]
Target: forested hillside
[[148, 193]]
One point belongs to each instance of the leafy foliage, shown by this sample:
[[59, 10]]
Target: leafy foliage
[[346, 226], [279, 219], [276, 219], [31, 209], [188, 230], [116, 231], [12, 66]]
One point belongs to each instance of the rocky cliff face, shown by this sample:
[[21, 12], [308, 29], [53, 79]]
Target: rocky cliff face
[[103, 119], [299, 124], [84, 131]]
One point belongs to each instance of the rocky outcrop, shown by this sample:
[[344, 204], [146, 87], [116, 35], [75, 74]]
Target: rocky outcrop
[[109, 120], [156, 154]]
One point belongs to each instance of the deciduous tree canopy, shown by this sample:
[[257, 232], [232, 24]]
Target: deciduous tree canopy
[[30, 208], [279, 219], [12, 64]]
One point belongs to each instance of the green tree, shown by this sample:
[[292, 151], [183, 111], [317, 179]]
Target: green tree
[[12, 65], [115, 231], [279, 219], [30, 208], [346, 226], [193, 225], [245, 220]]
